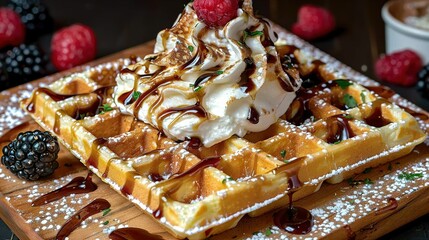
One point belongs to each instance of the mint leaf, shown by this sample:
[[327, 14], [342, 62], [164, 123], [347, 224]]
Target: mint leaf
[[251, 34], [136, 95], [283, 153], [368, 181], [105, 108], [191, 48], [362, 97], [343, 83], [268, 232], [106, 211], [410, 176], [349, 101]]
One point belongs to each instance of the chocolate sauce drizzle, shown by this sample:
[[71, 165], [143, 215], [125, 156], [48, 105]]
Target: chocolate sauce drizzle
[[392, 204], [77, 185], [338, 129], [293, 219], [253, 115], [74, 221], [132, 234]]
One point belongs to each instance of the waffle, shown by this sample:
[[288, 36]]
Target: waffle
[[199, 191]]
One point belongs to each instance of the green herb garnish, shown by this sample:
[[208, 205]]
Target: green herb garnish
[[349, 101], [410, 176], [227, 179], [343, 83], [348, 116], [105, 222], [283, 153], [251, 34], [106, 211], [191, 48], [368, 181], [337, 142], [367, 170], [196, 89], [219, 72], [83, 115], [105, 108], [268, 232], [389, 167], [362, 97], [136, 95]]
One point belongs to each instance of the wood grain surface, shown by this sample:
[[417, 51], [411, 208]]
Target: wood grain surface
[[341, 211]]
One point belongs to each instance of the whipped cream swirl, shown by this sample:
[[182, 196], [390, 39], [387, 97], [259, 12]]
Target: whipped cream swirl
[[209, 83]]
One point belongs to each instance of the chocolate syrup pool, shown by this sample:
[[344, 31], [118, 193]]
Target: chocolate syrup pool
[[293, 219]]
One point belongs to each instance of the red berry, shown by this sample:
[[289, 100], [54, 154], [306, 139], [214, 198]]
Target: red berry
[[216, 13], [12, 31], [73, 46], [399, 67], [313, 22]]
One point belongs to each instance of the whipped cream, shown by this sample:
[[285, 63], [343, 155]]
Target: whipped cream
[[209, 83]]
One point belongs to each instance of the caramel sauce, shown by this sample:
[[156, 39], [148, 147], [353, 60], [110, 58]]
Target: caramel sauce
[[55, 96], [74, 221], [77, 185], [93, 158], [392, 204], [205, 163], [57, 123], [128, 187], [131, 233], [293, 219]]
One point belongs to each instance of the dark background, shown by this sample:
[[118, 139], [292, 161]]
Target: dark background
[[358, 40]]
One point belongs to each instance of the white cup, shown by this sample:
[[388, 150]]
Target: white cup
[[400, 36]]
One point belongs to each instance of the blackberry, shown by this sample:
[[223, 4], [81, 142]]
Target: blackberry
[[35, 16], [423, 81], [23, 63], [32, 155]]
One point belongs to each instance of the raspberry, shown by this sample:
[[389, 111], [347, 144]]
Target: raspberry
[[313, 22], [12, 31], [216, 13], [399, 67], [73, 46]]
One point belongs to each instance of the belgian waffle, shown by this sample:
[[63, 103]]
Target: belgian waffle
[[197, 191]]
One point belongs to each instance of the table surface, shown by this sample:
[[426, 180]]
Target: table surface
[[358, 41]]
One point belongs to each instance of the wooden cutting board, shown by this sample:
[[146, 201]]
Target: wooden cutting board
[[341, 211]]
